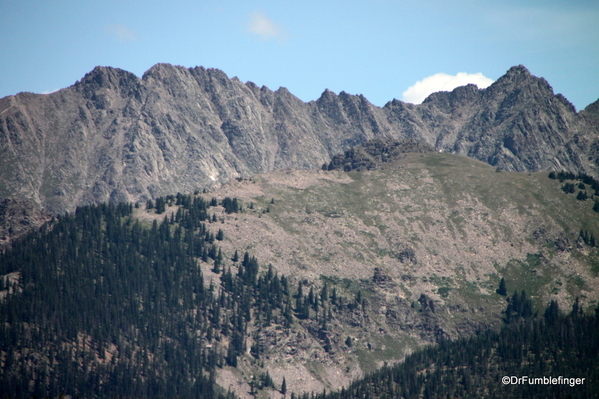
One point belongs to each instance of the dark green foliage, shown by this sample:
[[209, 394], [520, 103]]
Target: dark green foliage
[[502, 290], [98, 275], [565, 176], [249, 269], [589, 180], [231, 205], [583, 178], [160, 205], [576, 308], [266, 381], [569, 188], [582, 196], [552, 313], [217, 265], [348, 342], [596, 206], [519, 307], [588, 238]]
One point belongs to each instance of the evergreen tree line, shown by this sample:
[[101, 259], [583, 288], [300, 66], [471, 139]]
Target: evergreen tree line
[[109, 308], [582, 177], [584, 181], [231, 205], [106, 307]]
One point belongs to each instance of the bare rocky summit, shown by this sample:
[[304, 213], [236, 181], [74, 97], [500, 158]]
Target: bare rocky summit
[[374, 153], [115, 137]]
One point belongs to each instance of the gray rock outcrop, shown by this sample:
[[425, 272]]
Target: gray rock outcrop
[[115, 137]]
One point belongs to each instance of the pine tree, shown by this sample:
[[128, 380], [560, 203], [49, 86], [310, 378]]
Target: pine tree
[[324, 294], [576, 308], [502, 290], [160, 205], [299, 297], [216, 268], [552, 312]]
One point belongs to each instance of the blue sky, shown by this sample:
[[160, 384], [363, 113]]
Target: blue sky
[[378, 48]]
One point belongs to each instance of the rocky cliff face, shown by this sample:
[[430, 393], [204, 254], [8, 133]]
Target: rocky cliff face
[[115, 137], [18, 217]]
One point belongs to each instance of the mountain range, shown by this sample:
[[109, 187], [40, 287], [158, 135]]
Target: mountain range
[[115, 137], [322, 240]]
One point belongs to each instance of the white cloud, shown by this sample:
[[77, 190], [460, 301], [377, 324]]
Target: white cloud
[[121, 33], [265, 27], [49, 91], [443, 82]]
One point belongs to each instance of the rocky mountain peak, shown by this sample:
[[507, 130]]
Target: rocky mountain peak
[[284, 92], [518, 79], [517, 71], [107, 77], [458, 97], [593, 107], [162, 71], [592, 110], [210, 78], [326, 97]]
